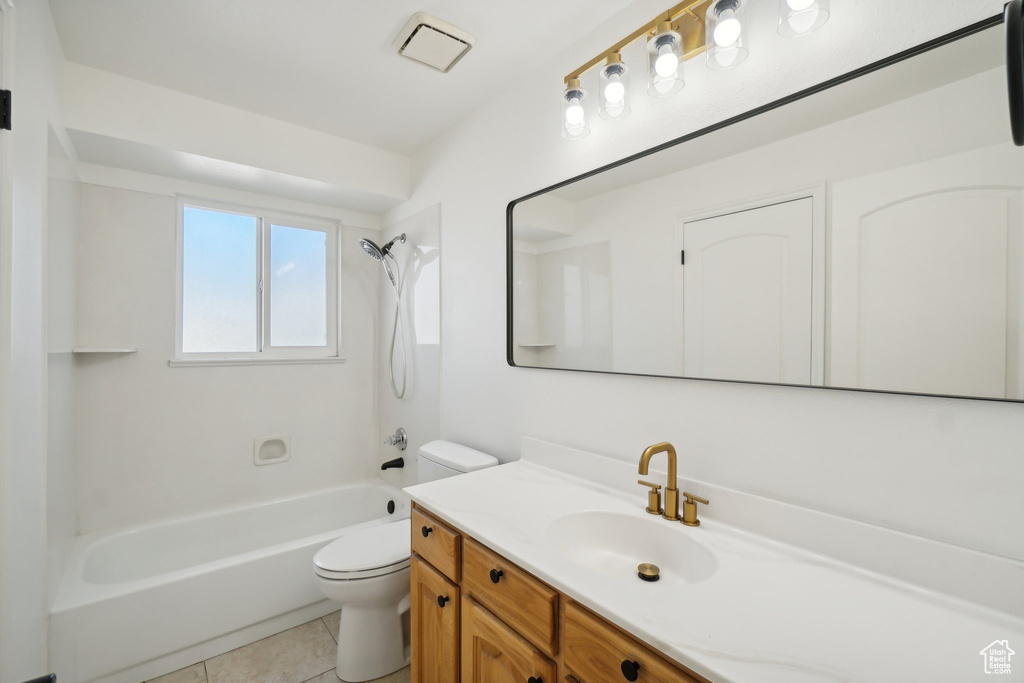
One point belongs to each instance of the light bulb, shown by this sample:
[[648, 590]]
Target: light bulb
[[574, 112], [802, 22], [799, 5], [667, 63], [728, 29], [614, 92]]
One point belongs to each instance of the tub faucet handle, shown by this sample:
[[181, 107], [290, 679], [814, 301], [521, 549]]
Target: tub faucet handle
[[399, 438]]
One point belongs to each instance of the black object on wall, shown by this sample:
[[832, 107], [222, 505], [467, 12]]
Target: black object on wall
[[1015, 67], [396, 463], [52, 678]]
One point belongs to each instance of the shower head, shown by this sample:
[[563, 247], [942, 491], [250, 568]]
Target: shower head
[[372, 249], [379, 253]]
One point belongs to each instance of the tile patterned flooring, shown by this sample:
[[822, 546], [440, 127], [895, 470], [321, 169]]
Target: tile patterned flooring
[[304, 654]]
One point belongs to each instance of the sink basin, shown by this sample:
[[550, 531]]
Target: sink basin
[[614, 544]]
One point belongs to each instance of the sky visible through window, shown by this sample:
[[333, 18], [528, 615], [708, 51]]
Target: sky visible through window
[[220, 297], [298, 287], [219, 287]]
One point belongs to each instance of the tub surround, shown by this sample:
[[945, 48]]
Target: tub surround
[[794, 594]]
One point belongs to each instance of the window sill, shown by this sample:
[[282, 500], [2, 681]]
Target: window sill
[[216, 362]]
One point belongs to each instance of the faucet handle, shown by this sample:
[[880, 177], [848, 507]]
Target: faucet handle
[[690, 508], [690, 498], [653, 497]]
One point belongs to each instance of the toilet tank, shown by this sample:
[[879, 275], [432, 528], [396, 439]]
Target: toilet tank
[[440, 459]]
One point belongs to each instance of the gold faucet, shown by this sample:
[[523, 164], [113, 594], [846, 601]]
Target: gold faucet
[[671, 492]]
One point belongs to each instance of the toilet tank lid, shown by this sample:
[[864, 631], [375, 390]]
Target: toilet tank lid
[[456, 456]]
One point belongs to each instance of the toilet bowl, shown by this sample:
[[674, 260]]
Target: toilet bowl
[[367, 571]]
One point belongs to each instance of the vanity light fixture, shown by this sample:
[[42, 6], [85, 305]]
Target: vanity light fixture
[[681, 34], [716, 27], [725, 33], [574, 117], [613, 84], [800, 17], [664, 59]]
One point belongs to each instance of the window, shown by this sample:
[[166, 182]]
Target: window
[[255, 287]]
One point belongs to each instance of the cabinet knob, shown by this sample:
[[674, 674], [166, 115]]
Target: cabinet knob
[[630, 670], [426, 531], [534, 679], [442, 599], [496, 575]]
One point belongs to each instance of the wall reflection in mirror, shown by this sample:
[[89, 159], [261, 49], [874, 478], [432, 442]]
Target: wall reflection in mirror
[[867, 237]]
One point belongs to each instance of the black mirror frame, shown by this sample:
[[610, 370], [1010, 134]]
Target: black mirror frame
[[1012, 16]]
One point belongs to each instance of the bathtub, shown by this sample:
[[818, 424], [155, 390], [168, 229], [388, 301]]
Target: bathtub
[[137, 603]]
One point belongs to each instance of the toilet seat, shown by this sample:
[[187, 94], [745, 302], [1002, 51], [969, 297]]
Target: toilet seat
[[373, 551]]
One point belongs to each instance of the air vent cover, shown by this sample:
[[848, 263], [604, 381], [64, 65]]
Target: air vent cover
[[433, 42]]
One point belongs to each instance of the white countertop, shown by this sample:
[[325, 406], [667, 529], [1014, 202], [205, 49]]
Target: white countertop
[[770, 612]]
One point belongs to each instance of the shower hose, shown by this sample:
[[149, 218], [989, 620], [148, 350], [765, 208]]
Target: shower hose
[[397, 330]]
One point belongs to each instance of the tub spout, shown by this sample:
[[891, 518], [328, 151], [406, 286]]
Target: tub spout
[[396, 463]]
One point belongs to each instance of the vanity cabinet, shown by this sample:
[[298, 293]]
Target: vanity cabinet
[[502, 624]]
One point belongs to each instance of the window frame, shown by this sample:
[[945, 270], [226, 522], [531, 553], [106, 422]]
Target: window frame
[[266, 352]]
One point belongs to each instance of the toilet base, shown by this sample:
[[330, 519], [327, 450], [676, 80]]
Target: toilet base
[[371, 642]]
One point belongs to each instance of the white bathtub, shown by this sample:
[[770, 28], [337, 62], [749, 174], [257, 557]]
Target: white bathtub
[[140, 602]]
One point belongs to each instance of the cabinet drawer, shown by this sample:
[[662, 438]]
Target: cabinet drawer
[[595, 651], [514, 596], [437, 544], [492, 652]]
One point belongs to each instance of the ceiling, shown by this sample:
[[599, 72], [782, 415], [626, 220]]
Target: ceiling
[[324, 64]]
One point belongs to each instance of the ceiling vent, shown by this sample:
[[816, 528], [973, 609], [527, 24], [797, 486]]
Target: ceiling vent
[[433, 42]]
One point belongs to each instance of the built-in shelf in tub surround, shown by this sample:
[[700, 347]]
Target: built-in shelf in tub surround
[[535, 346], [103, 349], [795, 595]]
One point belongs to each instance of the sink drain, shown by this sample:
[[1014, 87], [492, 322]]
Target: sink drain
[[648, 571]]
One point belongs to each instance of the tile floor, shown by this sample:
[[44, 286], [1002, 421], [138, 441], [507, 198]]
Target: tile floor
[[304, 654]]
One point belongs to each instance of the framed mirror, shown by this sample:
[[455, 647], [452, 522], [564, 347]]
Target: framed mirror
[[866, 234]]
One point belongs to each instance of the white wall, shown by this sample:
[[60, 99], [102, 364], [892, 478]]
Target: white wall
[[36, 63], [154, 441], [62, 207], [922, 465], [418, 412]]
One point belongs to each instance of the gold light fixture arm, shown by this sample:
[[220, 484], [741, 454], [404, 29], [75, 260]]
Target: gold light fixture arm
[[687, 18]]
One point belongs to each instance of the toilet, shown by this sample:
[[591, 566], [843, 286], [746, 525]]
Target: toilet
[[367, 571]]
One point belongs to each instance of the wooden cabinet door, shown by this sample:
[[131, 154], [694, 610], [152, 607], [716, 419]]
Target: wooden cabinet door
[[435, 626], [494, 653]]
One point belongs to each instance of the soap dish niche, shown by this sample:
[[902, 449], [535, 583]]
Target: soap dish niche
[[268, 450]]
